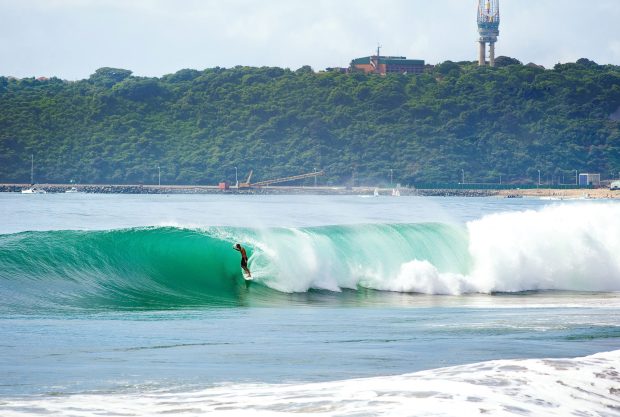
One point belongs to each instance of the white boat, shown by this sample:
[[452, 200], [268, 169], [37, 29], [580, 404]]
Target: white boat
[[376, 192], [72, 190], [395, 192], [33, 190]]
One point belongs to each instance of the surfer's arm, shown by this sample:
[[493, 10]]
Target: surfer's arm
[[236, 248]]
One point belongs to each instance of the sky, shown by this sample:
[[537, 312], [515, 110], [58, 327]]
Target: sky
[[70, 39]]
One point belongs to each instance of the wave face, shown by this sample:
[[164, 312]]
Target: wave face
[[153, 267], [567, 247]]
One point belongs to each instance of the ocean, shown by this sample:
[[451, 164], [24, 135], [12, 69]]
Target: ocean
[[360, 306]]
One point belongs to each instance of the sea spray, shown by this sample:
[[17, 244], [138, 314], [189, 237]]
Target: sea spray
[[561, 247]]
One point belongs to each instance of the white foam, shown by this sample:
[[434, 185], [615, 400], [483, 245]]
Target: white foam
[[565, 247], [587, 386], [422, 277], [572, 247]]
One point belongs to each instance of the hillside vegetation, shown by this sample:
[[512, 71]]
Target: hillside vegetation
[[456, 120]]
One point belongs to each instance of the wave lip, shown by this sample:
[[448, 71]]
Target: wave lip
[[538, 387]]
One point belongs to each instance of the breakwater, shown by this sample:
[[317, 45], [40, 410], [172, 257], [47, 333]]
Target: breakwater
[[323, 190]]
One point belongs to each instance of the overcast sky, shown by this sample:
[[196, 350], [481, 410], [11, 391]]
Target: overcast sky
[[70, 39]]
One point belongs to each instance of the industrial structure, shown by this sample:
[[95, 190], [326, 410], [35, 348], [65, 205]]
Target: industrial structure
[[488, 28], [377, 64], [247, 184]]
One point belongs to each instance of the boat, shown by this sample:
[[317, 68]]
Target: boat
[[33, 189], [376, 192], [72, 190], [396, 192]]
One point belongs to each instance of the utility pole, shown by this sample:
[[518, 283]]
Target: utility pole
[[315, 177], [462, 176], [391, 176], [539, 177], [236, 179], [158, 175]]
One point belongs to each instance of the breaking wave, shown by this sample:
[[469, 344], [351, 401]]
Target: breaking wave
[[565, 247]]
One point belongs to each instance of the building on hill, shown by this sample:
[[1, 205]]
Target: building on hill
[[377, 64]]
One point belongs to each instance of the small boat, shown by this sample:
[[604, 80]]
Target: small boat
[[376, 192], [72, 190], [33, 190], [395, 192]]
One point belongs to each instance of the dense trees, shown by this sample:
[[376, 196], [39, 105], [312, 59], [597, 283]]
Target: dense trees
[[512, 121]]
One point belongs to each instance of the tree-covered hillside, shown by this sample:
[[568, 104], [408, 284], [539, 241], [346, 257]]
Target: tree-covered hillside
[[457, 119]]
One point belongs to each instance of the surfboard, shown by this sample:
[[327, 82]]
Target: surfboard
[[248, 281]]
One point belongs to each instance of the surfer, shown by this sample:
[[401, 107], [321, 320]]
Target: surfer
[[244, 259]]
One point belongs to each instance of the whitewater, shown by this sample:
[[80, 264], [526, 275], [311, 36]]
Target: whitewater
[[383, 306]]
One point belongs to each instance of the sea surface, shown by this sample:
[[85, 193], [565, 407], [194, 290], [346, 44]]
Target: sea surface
[[359, 306]]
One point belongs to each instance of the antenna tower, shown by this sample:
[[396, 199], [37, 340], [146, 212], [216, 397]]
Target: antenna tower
[[488, 28]]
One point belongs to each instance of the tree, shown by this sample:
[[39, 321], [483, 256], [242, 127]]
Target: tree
[[107, 77], [116, 127], [504, 61]]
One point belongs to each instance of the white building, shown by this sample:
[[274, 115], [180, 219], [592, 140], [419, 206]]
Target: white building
[[590, 179]]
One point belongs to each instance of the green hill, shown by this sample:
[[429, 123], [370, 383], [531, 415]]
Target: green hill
[[457, 119]]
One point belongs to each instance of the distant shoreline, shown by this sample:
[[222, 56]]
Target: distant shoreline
[[552, 194]]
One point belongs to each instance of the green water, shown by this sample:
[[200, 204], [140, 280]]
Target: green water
[[167, 267]]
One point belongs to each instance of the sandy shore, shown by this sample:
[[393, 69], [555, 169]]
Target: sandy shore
[[562, 194]]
